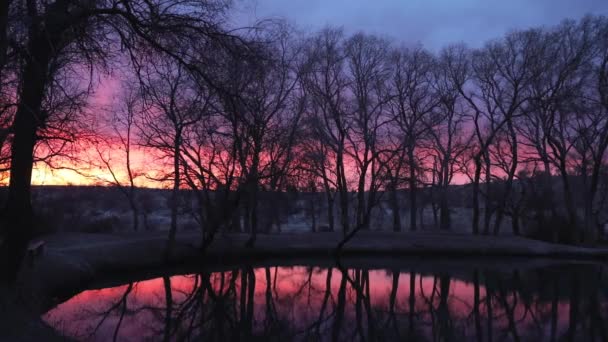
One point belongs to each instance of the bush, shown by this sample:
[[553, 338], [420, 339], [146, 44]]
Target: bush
[[553, 229], [47, 222], [102, 225]]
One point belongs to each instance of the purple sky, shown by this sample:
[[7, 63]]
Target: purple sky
[[434, 23]]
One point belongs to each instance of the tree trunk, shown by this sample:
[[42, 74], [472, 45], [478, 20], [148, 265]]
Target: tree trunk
[[340, 308], [570, 207], [443, 309], [330, 201], [395, 208], [487, 213], [18, 227], [445, 221], [254, 213], [412, 304], [343, 193], [435, 210], [313, 213], [412, 184], [330, 212], [367, 298], [247, 212], [250, 302], [4, 8], [509, 183], [361, 198], [548, 185], [444, 211], [253, 203], [592, 233], [489, 310], [174, 198], [168, 309], [134, 212], [476, 181], [393, 295], [476, 305], [243, 303]]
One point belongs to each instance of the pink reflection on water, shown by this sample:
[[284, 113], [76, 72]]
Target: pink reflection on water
[[294, 303]]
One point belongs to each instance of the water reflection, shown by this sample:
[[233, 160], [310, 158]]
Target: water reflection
[[311, 303]]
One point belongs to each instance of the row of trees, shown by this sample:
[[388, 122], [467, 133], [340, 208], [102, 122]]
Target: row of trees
[[50, 54], [355, 117], [524, 119]]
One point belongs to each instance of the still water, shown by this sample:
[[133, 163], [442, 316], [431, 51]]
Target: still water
[[304, 303]]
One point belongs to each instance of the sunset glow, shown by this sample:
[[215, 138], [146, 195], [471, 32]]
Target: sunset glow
[[303, 170]]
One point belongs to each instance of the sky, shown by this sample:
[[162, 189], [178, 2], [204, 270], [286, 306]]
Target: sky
[[433, 23]]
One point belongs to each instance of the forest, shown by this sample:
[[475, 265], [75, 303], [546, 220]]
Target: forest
[[231, 114]]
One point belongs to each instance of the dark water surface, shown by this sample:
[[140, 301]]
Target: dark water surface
[[556, 303]]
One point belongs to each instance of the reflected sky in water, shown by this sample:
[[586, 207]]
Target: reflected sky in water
[[311, 303]]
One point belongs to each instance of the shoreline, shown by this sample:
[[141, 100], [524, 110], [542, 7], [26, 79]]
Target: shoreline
[[71, 263], [75, 261]]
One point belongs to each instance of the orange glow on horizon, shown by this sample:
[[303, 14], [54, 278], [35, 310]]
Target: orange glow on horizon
[[69, 176], [88, 166]]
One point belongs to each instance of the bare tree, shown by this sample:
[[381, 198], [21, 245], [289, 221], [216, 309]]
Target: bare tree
[[261, 114], [211, 170], [327, 84], [413, 103], [113, 144], [317, 165], [172, 102], [368, 65], [591, 123], [395, 172], [563, 113], [4, 25], [447, 141], [6, 106], [541, 130], [83, 33], [499, 74]]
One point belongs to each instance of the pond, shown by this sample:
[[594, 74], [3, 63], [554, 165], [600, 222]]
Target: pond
[[311, 303]]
